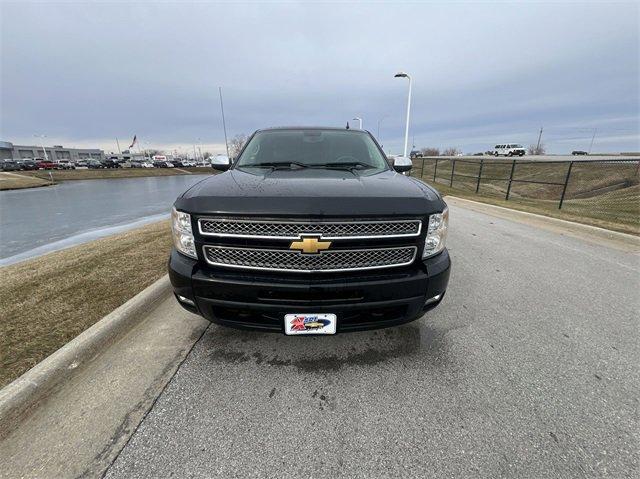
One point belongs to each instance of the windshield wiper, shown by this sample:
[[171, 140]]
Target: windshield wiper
[[352, 165], [274, 165]]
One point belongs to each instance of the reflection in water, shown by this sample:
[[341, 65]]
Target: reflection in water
[[63, 214]]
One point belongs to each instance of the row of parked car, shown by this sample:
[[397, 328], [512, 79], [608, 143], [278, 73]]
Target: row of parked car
[[40, 164]]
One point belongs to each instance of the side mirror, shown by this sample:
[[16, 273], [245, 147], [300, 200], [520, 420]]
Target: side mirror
[[402, 164], [221, 163]]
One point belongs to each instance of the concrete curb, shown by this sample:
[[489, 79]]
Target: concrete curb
[[19, 398], [594, 234]]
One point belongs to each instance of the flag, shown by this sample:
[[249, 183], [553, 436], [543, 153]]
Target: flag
[[135, 139]]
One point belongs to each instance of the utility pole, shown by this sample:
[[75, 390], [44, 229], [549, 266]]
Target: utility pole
[[538, 145], [224, 125], [592, 138]]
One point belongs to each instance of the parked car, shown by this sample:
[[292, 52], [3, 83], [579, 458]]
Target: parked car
[[47, 165], [177, 163], [331, 258], [65, 165], [146, 164], [28, 165], [162, 164], [110, 164], [10, 165], [136, 164], [509, 149], [189, 164], [579, 153], [94, 165], [81, 164]]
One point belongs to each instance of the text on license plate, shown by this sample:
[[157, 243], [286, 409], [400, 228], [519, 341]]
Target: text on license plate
[[310, 323]]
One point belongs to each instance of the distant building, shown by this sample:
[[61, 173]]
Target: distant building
[[9, 151]]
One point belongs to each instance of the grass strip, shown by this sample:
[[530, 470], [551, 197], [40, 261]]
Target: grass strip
[[47, 301], [623, 219], [17, 181]]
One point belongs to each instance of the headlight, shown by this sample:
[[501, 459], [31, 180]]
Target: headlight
[[436, 233], [182, 234]]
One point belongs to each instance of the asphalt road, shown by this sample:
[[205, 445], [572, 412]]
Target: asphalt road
[[529, 368]]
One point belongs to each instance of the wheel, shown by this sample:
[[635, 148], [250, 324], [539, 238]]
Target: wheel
[[510, 154]]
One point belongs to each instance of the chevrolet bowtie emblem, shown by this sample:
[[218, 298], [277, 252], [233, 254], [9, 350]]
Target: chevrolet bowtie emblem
[[310, 245]]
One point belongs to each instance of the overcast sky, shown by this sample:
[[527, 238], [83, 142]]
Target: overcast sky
[[84, 73]]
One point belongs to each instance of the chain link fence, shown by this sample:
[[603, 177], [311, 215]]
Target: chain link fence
[[599, 192]]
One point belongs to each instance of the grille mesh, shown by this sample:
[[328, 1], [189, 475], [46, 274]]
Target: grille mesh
[[285, 260], [292, 229]]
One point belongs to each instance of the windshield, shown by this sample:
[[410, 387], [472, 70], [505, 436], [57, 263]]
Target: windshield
[[313, 148]]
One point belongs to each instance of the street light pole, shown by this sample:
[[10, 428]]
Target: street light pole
[[406, 130], [359, 121]]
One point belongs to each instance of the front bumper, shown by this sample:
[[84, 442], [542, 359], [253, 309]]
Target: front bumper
[[361, 300]]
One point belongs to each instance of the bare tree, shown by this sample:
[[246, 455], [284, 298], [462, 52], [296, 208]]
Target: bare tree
[[536, 149], [430, 151], [236, 144], [451, 152]]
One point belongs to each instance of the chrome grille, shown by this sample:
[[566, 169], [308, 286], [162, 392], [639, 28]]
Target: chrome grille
[[293, 229], [325, 261]]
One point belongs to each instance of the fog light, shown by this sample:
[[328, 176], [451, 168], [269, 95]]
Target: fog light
[[435, 299], [182, 299]]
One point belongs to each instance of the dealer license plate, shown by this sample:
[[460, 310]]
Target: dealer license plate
[[308, 323]]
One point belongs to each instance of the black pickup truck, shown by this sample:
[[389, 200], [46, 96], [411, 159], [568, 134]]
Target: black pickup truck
[[310, 231]]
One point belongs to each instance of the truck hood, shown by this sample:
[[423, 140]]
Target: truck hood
[[310, 192]]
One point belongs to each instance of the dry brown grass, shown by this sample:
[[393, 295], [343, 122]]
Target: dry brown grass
[[598, 194], [47, 301], [624, 221], [17, 181]]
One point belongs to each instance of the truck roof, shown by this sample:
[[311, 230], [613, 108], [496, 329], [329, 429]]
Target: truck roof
[[332, 128]]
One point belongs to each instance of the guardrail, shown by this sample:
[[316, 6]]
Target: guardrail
[[604, 188]]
